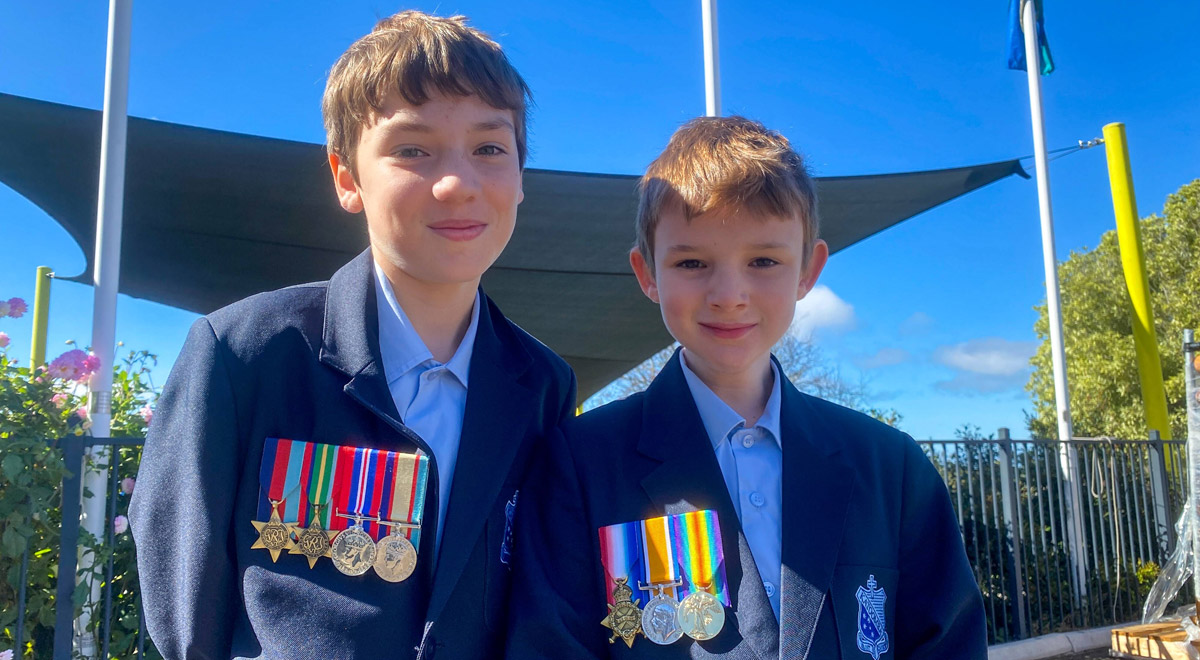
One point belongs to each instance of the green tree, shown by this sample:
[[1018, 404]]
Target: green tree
[[1106, 398]]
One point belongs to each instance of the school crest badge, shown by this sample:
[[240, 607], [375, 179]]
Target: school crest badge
[[506, 545], [872, 628]]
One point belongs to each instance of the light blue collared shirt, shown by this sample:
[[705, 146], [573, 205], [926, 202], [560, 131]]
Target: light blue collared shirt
[[751, 461], [431, 397]]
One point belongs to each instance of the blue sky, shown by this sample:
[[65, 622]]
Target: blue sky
[[936, 314]]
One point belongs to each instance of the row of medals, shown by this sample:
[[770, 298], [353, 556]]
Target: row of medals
[[353, 551], [663, 620]]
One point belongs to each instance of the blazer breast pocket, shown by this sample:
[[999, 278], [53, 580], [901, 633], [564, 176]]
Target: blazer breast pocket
[[864, 609]]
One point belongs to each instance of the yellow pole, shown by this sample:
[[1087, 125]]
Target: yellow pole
[[41, 317], [1133, 261]]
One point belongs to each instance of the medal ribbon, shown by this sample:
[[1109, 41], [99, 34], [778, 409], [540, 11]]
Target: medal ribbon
[[406, 479], [316, 482], [358, 487], [658, 552], [620, 552], [279, 476], [697, 542]]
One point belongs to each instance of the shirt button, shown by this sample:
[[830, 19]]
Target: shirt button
[[747, 439], [770, 589], [757, 499]]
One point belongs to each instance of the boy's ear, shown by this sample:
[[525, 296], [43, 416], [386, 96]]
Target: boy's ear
[[645, 275], [812, 270], [343, 181]]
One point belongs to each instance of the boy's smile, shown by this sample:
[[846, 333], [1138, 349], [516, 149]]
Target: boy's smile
[[728, 284], [440, 183]]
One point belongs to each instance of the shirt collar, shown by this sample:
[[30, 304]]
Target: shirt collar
[[401, 347], [718, 418]]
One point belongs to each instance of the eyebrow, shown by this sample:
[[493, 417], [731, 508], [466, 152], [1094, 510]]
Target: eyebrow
[[494, 125], [681, 247]]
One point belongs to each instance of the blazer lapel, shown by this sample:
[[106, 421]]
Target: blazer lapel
[[689, 479], [499, 410], [817, 486]]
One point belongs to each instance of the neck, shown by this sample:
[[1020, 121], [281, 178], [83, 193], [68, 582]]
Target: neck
[[746, 391], [440, 313]]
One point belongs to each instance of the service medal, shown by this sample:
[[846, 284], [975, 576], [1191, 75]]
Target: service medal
[[353, 551], [395, 558], [311, 541], [701, 616], [273, 535], [660, 620], [624, 618]]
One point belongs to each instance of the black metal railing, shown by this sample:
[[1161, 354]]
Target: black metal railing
[[1010, 497]]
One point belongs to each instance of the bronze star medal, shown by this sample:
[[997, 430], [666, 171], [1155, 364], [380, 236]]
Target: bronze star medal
[[624, 618], [273, 535], [312, 541]]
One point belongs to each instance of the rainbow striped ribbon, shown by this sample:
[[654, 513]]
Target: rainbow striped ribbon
[[621, 554], [406, 479], [279, 477], [358, 487], [696, 537]]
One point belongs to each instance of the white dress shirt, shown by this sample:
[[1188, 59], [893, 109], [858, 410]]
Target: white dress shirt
[[751, 461], [431, 397]]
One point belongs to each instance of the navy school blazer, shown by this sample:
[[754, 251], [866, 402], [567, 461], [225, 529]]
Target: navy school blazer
[[860, 500], [303, 363]]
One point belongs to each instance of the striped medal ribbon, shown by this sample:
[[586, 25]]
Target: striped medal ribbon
[[316, 488], [660, 617], [278, 480], [357, 494], [402, 506], [696, 537], [621, 556]]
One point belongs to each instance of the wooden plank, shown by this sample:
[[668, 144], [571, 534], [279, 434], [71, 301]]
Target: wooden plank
[[1152, 641]]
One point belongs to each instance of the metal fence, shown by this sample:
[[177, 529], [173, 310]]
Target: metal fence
[[1009, 496], [1013, 503]]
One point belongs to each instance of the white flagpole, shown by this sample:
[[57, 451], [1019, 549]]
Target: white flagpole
[[712, 69], [106, 278], [1068, 455]]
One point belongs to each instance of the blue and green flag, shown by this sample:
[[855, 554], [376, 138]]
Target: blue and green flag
[[1016, 38]]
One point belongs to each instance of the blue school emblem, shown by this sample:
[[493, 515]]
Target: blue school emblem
[[506, 545], [872, 629]]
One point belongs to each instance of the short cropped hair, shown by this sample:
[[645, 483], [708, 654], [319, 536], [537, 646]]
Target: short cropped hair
[[731, 164], [415, 55]]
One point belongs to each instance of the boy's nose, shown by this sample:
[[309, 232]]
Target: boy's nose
[[727, 290], [456, 182]]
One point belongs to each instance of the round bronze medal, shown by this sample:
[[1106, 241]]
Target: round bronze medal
[[353, 551], [701, 616], [660, 620], [395, 558]]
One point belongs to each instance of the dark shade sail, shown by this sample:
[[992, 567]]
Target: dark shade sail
[[212, 217]]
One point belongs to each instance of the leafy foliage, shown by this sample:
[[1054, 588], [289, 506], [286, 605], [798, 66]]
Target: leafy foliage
[[1106, 397]]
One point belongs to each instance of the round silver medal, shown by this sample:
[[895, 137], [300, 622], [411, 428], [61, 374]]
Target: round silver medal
[[660, 620], [396, 558], [701, 616], [353, 551]]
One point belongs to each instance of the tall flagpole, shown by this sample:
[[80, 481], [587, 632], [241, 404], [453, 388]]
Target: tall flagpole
[[1068, 455], [106, 278], [712, 68]]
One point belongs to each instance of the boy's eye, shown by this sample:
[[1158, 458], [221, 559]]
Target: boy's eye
[[689, 264], [764, 262], [411, 152], [490, 150]]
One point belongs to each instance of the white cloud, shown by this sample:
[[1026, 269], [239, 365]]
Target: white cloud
[[990, 356], [821, 308], [886, 357], [917, 324]]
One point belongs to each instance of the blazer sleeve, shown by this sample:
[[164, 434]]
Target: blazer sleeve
[[939, 609], [555, 589], [183, 506]]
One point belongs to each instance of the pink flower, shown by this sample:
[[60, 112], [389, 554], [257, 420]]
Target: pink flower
[[3, 339], [89, 365], [6, 655], [147, 413], [62, 369], [120, 525], [127, 485], [3, 308], [59, 399], [74, 365], [16, 307]]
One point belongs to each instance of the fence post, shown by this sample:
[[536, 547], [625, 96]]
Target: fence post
[[64, 604], [1160, 490], [1011, 495]]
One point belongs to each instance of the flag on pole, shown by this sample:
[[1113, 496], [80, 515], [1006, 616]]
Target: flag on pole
[[1016, 38]]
